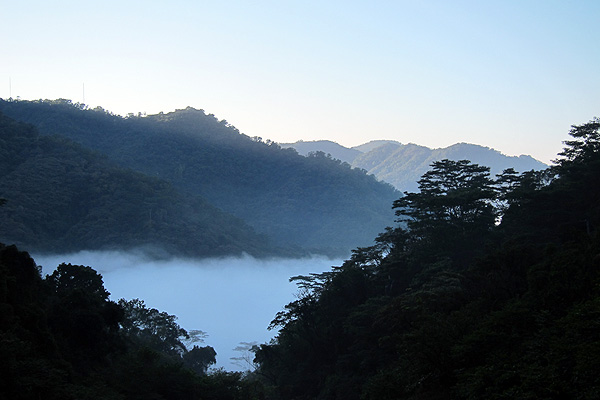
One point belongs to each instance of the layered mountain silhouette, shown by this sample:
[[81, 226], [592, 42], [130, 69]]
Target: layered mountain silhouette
[[195, 185], [296, 204], [61, 197], [403, 164]]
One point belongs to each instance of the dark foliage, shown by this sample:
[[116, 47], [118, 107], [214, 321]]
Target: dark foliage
[[62, 338], [488, 289]]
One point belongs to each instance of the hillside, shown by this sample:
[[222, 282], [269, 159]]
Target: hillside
[[490, 291], [403, 164], [373, 144], [307, 203], [61, 197], [336, 150]]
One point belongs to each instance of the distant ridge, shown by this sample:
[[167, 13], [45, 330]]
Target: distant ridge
[[403, 164], [336, 150], [300, 205], [373, 144]]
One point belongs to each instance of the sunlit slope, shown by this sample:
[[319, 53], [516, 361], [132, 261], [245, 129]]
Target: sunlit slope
[[62, 197], [336, 150], [316, 203]]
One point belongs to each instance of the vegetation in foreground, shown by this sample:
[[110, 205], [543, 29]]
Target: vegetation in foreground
[[490, 288], [62, 338]]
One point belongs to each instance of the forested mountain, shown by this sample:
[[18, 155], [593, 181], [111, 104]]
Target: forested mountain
[[403, 164], [336, 150], [62, 197], [488, 289], [373, 144], [491, 290], [307, 203]]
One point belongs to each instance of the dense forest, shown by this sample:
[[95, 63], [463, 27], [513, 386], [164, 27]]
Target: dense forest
[[61, 197], [62, 338], [488, 288], [299, 204], [491, 290]]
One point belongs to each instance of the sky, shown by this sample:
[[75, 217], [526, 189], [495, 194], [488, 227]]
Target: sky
[[511, 75]]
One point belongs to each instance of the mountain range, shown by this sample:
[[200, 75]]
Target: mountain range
[[186, 182], [61, 197], [284, 203], [403, 164]]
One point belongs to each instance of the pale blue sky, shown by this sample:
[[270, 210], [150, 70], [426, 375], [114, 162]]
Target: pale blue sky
[[513, 75]]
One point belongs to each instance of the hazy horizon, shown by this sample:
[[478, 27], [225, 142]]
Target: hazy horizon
[[510, 75]]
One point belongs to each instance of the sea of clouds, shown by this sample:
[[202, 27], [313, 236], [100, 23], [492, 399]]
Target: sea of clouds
[[233, 300]]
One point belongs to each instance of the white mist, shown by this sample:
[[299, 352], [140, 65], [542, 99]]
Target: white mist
[[233, 300]]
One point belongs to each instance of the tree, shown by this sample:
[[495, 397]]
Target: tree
[[579, 170], [454, 210], [152, 328], [199, 359], [584, 147], [455, 192], [561, 202], [67, 278], [84, 321]]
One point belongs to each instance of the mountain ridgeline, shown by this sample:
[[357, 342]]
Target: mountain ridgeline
[[177, 179], [61, 197], [403, 164], [489, 288]]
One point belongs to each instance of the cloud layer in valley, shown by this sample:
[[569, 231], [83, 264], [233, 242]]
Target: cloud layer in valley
[[233, 300]]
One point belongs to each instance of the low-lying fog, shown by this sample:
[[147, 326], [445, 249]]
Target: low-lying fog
[[233, 300]]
